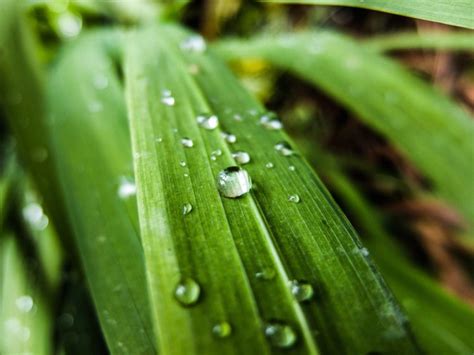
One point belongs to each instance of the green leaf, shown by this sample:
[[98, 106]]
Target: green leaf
[[452, 41], [224, 244], [441, 323], [427, 127], [77, 161], [454, 12]]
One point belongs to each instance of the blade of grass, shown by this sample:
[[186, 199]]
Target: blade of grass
[[77, 160], [224, 244], [454, 12], [441, 323], [452, 41], [426, 126]]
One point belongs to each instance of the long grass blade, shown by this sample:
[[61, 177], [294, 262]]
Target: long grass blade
[[437, 138], [228, 246], [455, 12]]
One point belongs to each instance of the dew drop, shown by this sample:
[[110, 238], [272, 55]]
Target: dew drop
[[216, 153], [266, 273], [69, 24], [229, 138], [291, 168], [284, 149], [233, 182], [187, 142], [301, 291], [24, 303], [269, 165], [364, 252], [207, 121], [127, 188], [34, 215], [270, 121], [241, 157], [280, 335], [237, 117], [167, 98], [159, 140], [182, 163], [187, 292], [194, 43], [187, 208], [95, 106], [294, 198], [222, 329]]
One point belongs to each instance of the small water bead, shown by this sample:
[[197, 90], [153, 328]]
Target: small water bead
[[301, 291], [167, 98], [34, 215], [241, 157], [207, 121], [187, 292], [237, 117], [127, 188], [69, 24], [187, 208], [294, 198], [159, 140], [229, 138], [182, 163], [284, 149], [266, 273], [24, 303], [233, 182], [270, 121], [95, 106], [291, 168], [280, 335], [187, 142], [269, 165], [194, 43], [222, 329], [364, 252], [216, 153]]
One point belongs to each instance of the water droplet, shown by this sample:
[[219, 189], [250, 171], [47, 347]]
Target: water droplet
[[167, 98], [364, 252], [159, 140], [216, 153], [187, 208], [194, 43], [270, 121], [95, 106], [237, 117], [186, 175], [187, 142], [241, 157], [269, 165], [34, 215], [284, 149], [302, 291], [101, 81], [266, 273], [182, 163], [69, 24], [126, 188], [280, 335], [233, 182], [24, 303], [222, 329], [291, 168], [229, 138], [187, 292], [294, 198], [207, 121]]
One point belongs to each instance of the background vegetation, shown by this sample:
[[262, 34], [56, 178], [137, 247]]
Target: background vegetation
[[352, 118]]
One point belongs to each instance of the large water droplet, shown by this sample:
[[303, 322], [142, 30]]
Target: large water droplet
[[24, 303], [187, 292], [167, 98], [187, 142], [193, 43], [302, 291], [270, 121], [207, 121], [127, 188], [222, 329], [294, 198], [229, 138], [284, 149], [187, 208], [241, 157], [233, 182], [280, 335], [266, 273]]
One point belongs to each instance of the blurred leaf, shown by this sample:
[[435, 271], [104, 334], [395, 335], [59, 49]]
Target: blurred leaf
[[453, 12], [425, 125], [227, 245], [452, 41]]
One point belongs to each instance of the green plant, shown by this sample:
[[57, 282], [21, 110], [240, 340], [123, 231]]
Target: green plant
[[124, 132]]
